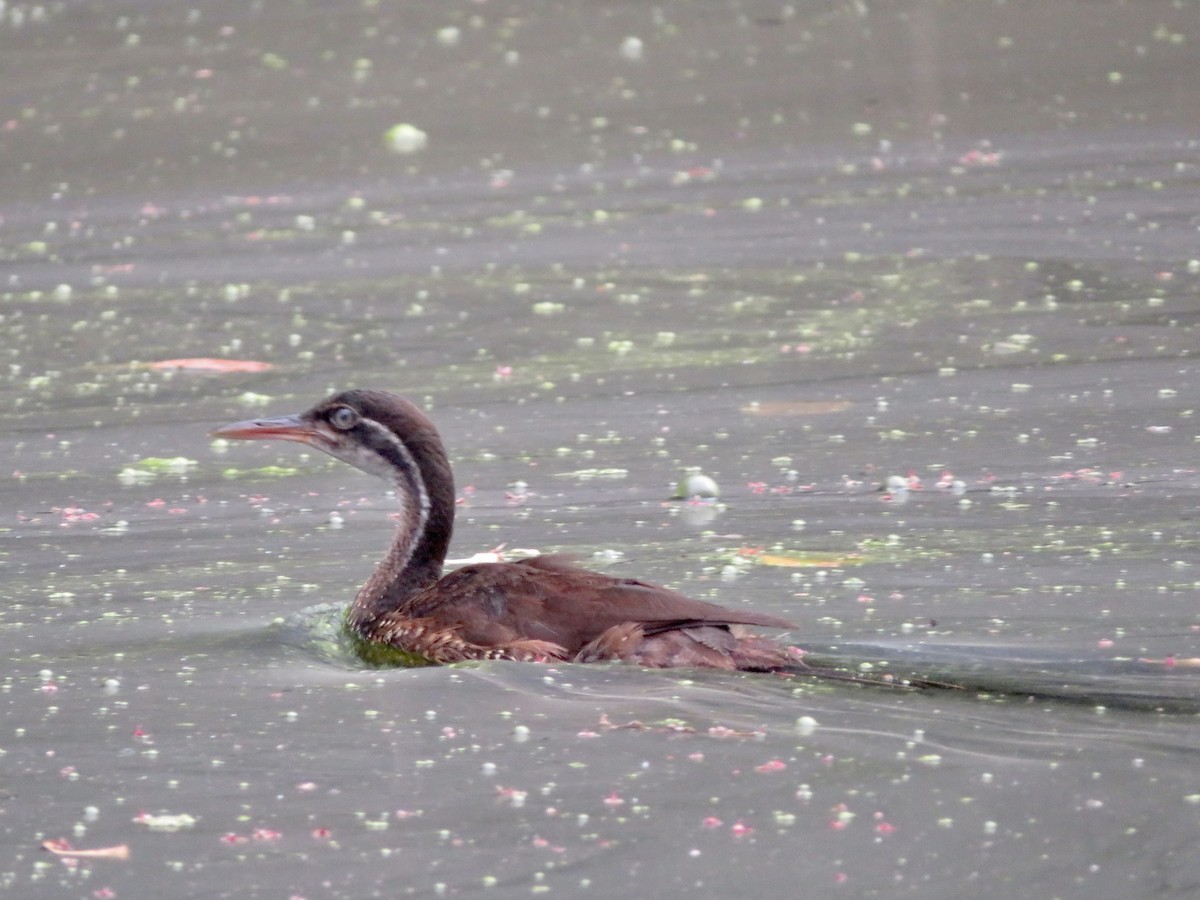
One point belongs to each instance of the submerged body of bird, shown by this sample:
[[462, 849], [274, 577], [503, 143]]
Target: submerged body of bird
[[535, 610]]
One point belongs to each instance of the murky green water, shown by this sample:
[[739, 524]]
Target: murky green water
[[812, 250]]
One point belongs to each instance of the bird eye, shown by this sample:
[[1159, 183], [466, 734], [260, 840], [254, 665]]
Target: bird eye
[[344, 418]]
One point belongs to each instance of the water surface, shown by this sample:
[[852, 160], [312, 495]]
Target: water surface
[[809, 249]]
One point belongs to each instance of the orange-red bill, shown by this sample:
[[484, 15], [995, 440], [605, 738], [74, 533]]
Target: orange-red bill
[[282, 428]]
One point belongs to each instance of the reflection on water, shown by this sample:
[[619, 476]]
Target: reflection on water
[[992, 671], [813, 252]]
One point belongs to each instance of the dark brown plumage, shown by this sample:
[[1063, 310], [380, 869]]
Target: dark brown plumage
[[535, 610]]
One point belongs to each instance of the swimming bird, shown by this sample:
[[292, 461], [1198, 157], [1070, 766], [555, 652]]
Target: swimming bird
[[540, 609]]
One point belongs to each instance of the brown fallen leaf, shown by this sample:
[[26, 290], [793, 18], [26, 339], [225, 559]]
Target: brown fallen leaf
[[605, 724], [796, 407], [62, 847], [793, 559], [720, 731]]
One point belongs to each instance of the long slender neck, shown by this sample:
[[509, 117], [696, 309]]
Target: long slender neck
[[424, 484]]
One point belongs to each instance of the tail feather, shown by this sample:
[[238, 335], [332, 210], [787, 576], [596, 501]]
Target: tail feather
[[728, 649]]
